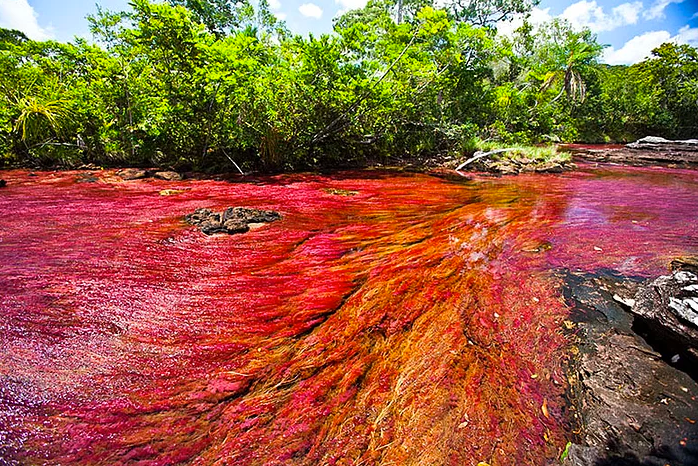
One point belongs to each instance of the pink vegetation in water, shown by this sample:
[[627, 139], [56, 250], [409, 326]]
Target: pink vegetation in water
[[386, 319]]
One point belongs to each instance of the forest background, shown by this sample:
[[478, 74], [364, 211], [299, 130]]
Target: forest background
[[208, 84]]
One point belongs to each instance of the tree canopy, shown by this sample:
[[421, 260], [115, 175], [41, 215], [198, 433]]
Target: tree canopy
[[206, 84]]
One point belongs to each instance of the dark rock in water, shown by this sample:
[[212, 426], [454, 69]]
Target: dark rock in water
[[168, 176], [246, 215], [3, 183], [86, 178], [132, 174], [210, 227], [198, 216], [631, 405], [236, 226], [231, 221]]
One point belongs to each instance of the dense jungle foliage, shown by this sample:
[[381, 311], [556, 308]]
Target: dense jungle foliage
[[206, 84]]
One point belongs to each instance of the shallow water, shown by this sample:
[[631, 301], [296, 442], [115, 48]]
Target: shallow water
[[388, 318]]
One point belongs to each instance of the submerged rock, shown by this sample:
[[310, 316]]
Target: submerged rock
[[86, 178], [132, 174], [168, 176], [246, 215], [231, 221]]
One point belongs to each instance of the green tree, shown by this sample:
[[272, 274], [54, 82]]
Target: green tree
[[672, 72], [488, 12], [217, 15]]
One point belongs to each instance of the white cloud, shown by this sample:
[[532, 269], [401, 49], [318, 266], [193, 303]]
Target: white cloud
[[351, 4], [18, 14], [590, 14], [280, 16], [687, 35], [640, 47], [538, 16], [656, 11], [346, 5], [274, 5], [628, 13], [580, 15], [636, 49], [310, 10]]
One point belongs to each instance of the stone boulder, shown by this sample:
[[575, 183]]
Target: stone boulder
[[232, 220], [168, 176], [132, 174], [668, 307], [655, 143], [630, 404], [3, 183], [650, 150], [247, 215]]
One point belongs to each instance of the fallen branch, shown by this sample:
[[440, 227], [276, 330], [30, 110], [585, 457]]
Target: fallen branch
[[480, 154], [236, 165]]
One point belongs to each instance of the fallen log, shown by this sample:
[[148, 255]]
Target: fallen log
[[481, 155]]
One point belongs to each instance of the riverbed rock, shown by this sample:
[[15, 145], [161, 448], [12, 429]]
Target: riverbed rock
[[632, 406], [246, 215], [232, 220], [655, 143], [210, 227], [86, 178], [495, 162], [132, 174], [649, 150], [236, 226], [668, 308], [168, 176]]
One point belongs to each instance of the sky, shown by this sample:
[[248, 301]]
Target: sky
[[629, 28]]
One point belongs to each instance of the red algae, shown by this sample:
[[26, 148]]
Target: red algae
[[415, 321]]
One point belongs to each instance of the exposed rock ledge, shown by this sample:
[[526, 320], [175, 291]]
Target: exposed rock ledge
[[668, 307], [495, 161], [665, 145], [647, 151], [231, 221], [633, 392], [138, 174]]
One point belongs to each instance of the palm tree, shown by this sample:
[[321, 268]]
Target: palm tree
[[565, 52]]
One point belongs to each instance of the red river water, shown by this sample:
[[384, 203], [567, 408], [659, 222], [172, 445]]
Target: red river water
[[387, 318]]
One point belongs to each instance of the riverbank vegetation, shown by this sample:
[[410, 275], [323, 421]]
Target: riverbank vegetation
[[211, 85]]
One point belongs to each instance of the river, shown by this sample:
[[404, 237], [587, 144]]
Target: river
[[387, 318]]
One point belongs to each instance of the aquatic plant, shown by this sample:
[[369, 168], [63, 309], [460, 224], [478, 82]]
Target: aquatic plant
[[413, 322]]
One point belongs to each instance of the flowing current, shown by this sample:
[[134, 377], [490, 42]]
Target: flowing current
[[387, 318]]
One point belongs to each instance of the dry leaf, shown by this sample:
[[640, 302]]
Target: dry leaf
[[544, 408]]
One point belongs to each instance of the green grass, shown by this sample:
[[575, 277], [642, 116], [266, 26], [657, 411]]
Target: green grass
[[517, 152]]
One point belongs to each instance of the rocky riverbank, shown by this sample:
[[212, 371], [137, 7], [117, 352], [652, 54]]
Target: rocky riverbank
[[633, 380], [646, 151]]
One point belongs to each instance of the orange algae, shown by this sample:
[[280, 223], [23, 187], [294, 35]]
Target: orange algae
[[413, 322]]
